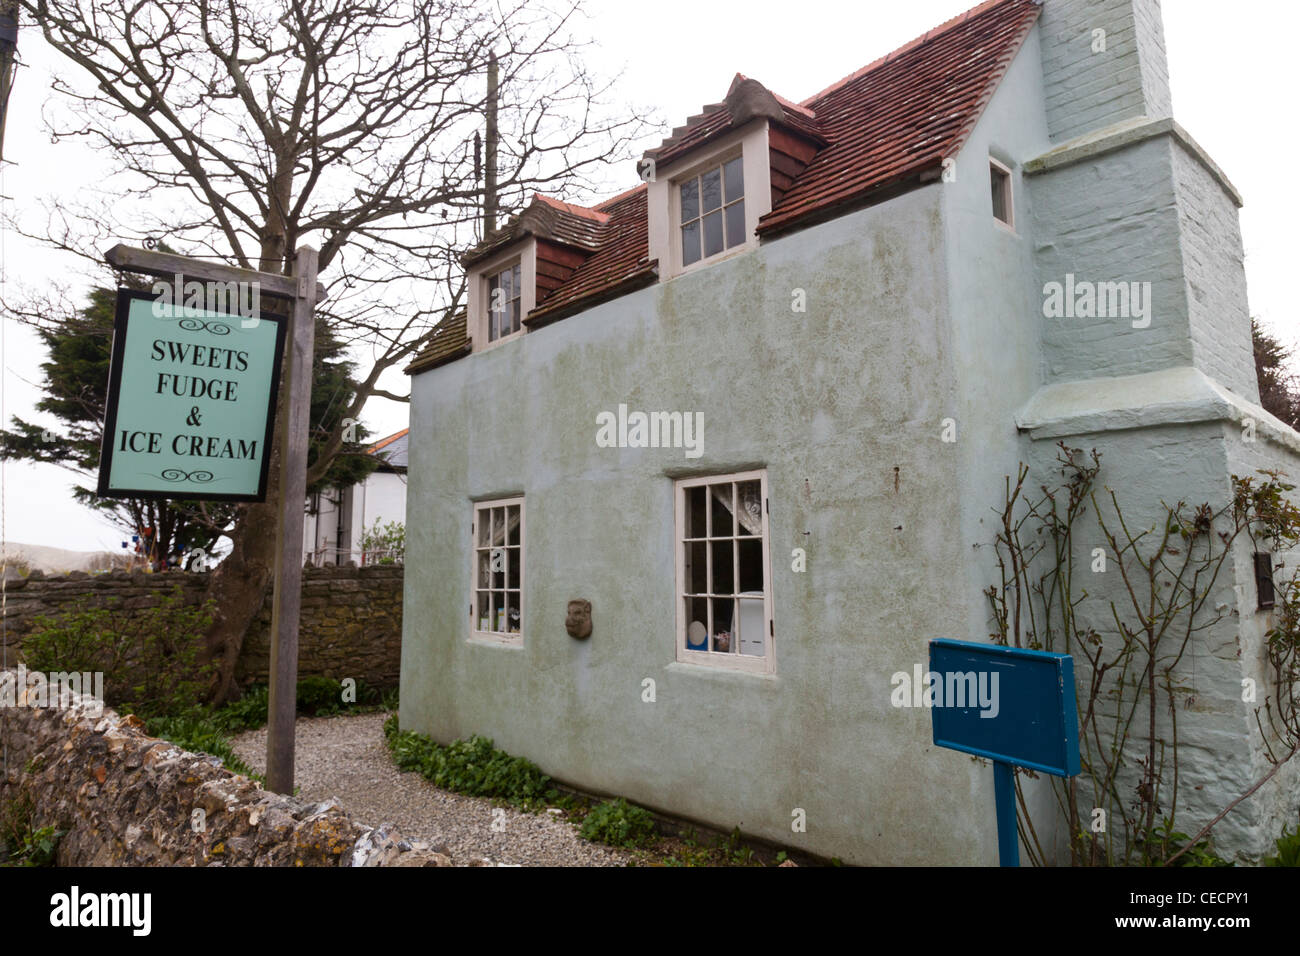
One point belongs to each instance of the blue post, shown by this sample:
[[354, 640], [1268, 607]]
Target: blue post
[[1004, 790]]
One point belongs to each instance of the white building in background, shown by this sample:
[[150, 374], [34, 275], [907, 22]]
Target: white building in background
[[337, 518]]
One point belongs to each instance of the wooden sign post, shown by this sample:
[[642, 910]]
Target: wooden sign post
[[287, 600], [196, 314]]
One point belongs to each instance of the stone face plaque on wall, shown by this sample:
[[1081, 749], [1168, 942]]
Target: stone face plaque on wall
[[191, 401]]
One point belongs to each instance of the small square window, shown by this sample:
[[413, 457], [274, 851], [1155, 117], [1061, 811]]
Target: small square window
[[712, 211], [724, 588], [1000, 180], [497, 609]]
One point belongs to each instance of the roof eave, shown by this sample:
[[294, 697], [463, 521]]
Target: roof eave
[[644, 276], [904, 183], [424, 365]]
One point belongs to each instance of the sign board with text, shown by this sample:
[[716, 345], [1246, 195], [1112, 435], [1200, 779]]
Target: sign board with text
[[191, 401]]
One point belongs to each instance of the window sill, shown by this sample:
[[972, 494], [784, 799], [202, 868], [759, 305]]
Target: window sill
[[726, 672], [714, 260], [496, 640], [501, 341]]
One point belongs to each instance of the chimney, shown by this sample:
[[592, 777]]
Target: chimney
[[1103, 62]]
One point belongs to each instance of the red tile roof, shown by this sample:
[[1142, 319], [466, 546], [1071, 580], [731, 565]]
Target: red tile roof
[[562, 222], [880, 128], [746, 100], [906, 112], [621, 264], [386, 441]]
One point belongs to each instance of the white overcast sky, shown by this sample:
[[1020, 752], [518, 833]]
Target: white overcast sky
[[1232, 66]]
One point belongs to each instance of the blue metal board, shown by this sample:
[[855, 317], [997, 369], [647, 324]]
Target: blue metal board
[[1006, 704]]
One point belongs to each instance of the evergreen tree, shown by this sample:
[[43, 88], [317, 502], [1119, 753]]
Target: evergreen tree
[[1278, 391]]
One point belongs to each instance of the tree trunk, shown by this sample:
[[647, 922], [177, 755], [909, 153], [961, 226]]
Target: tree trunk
[[238, 588], [240, 583]]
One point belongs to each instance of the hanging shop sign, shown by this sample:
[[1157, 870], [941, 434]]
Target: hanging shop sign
[[191, 400]]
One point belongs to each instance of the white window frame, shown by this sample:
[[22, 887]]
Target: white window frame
[[522, 254], [512, 266], [663, 201], [478, 508], [695, 174], [730, 660], [1005, 170]]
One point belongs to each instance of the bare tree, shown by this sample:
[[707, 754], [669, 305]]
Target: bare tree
[[251, 128]]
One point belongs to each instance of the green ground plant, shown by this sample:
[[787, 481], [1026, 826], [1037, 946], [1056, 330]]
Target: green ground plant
[[474, 767], [20, 843], [619, 823]]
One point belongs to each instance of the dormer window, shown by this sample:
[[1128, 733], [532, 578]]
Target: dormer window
[[712, 211], [505, 302]]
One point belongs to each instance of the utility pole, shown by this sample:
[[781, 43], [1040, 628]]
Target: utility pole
[[8, 60], [490, 159]]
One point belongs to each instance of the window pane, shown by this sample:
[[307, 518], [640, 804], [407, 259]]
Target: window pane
[[736, 224], [749, 507], [498, 568], [484, 527], [516, 286], [512, 568], [484, 578], [512, 612], [498, 526], [711, 189], [498, 612], [724, 576], [712, 234], [697, 617], [1000, 188], [514, 317], [695, 504], [507, 285], [691, 243], [690, 200], [722, 526], [513, 513], [484, 621], [752, 577], [750, 627], [697, 568], [734, 175], [723, 608]]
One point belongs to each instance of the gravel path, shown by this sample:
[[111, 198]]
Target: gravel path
[[345, 757]]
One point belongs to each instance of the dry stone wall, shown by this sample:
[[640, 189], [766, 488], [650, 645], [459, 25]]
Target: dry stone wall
[[351, 623], [124, 798]]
